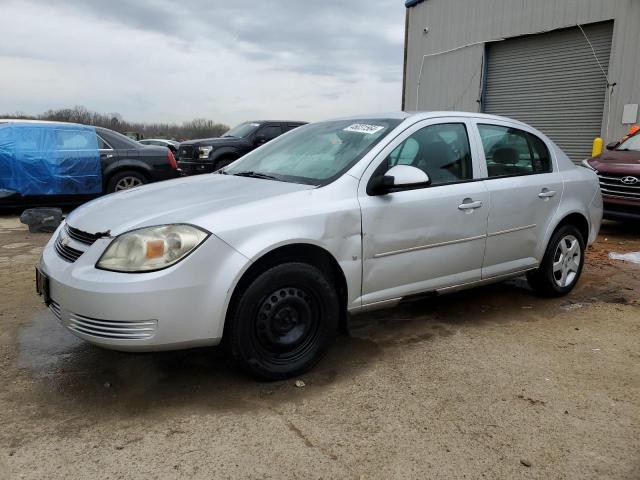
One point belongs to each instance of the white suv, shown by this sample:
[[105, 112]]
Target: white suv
[[340, 216]]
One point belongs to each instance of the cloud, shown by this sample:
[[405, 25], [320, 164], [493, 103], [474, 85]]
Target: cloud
[[225, 60]]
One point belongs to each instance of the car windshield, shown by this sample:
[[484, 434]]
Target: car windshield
[[314, 154], [632, 143], [243, 130]]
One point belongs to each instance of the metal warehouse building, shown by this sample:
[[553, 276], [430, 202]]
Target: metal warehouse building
[[571, 68]]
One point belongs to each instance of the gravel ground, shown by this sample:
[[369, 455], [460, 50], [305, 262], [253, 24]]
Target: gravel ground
[[488, 383]]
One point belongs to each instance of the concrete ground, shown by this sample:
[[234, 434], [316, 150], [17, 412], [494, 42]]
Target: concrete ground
[[488, 383]]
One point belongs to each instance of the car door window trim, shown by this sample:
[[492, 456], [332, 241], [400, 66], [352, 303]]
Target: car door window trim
[[106, 143]]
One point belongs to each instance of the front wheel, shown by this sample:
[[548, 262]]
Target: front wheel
[[561, 265], [283, 321]]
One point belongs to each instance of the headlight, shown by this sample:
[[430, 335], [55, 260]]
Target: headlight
[[152, 248], [205, 151], [585, 163]]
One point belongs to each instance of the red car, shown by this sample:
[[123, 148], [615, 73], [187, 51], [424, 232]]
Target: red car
[[619, 171]]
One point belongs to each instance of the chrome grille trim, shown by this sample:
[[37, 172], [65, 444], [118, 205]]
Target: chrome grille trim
[[612, 186], [139, 330], [55, 308], [67, 253], [80, 236]]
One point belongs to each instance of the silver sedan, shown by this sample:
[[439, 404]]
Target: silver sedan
[[347, 215]]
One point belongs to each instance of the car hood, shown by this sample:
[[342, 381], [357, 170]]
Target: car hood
[[192, 200], [214, 141], [618, 162]]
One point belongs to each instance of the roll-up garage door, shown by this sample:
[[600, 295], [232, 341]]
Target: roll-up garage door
[[553, 82]]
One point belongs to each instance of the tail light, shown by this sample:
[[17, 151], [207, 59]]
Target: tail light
[[172, 159]]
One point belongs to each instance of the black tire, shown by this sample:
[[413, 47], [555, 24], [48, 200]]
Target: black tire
[[117, 179], [547, 282], [283, 321], [223, 162]]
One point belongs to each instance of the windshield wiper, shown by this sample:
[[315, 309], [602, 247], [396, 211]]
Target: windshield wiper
[[229, 136], [255, 175]]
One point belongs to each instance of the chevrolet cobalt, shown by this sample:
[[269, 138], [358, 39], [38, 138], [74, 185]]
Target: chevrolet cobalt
[[270, 253]]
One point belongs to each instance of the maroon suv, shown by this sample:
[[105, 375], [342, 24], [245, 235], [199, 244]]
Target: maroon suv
[[619, 171]]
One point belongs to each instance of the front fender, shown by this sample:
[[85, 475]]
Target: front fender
[[219, 153]]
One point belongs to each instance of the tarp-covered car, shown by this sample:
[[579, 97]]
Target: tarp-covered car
[[40, 161]]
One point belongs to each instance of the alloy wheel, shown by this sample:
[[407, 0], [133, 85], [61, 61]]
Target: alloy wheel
[[566, 261], [125, 183]]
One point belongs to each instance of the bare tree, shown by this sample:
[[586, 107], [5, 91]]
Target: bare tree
[[197, 128]]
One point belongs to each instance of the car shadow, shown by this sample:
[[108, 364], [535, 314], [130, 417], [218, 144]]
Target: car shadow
[[77, 375], [80, 377]]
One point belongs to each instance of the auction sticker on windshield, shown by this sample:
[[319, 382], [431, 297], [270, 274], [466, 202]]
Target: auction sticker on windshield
[[364, 128]]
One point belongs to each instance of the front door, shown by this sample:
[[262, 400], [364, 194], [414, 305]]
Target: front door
[[420, 240]]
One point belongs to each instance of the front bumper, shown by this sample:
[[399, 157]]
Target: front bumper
[[180, 307], [195, 168], [621, 209]]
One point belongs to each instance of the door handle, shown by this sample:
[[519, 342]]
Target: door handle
[[469, 205], [546, 193]]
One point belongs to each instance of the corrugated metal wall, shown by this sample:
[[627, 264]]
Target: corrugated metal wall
[[548, 81], [451, 80]]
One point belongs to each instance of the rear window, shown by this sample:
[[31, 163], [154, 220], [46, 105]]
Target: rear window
[[509, 151]]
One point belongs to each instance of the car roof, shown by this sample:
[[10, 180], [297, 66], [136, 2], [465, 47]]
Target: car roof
[[42, 122], [276, 121], [415, 116]]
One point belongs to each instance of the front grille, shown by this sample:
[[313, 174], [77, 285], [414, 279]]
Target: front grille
[[113, 329], [80, 236], [613, 186], [186, 152], [66, 252], [55, 308]]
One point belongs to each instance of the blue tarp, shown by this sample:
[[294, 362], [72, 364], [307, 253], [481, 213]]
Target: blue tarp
[[49, 159]]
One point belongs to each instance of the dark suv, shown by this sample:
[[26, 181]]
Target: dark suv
[[619, 171], [211, 154]]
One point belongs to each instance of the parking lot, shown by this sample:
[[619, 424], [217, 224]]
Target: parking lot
[[488, 383]]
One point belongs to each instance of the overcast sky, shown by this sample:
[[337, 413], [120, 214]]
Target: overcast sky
[[227, 60]]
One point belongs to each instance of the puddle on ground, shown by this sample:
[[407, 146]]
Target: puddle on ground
[[77, 375]]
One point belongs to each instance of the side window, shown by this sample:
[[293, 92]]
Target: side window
[[102, 145], [442, 151], [74, 140], [510, 151], [291, 126], [270, 132]]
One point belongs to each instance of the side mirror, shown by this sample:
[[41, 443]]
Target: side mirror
[[612, 145], [400, 177], [260, 139]]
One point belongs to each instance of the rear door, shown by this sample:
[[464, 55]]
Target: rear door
[[525, 189]]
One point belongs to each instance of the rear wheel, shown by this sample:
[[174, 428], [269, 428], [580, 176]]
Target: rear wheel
[[561, 265], [283, 321], [126, 180]]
